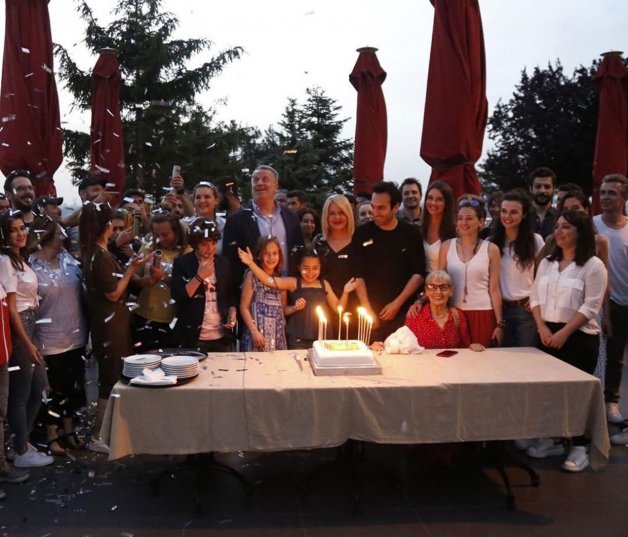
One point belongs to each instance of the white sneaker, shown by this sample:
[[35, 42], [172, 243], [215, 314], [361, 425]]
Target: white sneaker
[[577, 460], [97, 445], [613, 415], [545, 447], [620, 439], [32, 458], [523, 444]]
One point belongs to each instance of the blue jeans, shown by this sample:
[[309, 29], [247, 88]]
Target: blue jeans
[[520, 330], [25, 386]]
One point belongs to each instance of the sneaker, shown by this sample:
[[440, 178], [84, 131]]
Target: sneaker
[[97, 445], [523, 444], [545, 447], [577, 460], [621, 438], [613, 415], [32, 458], [13, 475]]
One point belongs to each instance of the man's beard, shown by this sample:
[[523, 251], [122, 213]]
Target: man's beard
[[542, 199], [24, 206]]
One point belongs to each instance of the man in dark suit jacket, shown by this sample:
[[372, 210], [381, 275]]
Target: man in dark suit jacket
[[262, 217]]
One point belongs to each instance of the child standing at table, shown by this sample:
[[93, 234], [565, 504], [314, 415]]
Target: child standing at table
[[261, 306], [306, 292]]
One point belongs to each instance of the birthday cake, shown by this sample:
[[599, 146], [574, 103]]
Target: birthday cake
[[351, 357]]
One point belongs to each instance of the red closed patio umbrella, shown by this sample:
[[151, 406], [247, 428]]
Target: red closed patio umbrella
[[611, 144], [456, 109], [106, 136], [30, 132], [371, 125]]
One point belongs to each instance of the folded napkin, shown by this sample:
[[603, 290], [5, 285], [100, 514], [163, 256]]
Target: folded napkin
[[155, 377], [403, 341]]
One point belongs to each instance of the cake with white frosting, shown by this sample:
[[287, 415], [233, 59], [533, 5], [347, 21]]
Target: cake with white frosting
[[343, 358]]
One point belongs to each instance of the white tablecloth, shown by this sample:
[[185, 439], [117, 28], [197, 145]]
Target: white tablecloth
[[263, 401]]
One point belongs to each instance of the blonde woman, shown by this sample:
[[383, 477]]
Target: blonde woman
[[334, 244]]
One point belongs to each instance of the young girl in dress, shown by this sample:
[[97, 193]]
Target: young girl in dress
[[306, 292], [261, 307]]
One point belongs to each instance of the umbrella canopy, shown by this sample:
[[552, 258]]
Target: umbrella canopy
[[371, 126], [611, 144], [106, 136], [30, 132], [456, 109]]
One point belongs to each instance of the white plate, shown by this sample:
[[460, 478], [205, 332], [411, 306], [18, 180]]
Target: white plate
[[180, 361], [142, 359]]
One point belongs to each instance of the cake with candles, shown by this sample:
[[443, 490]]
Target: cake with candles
[[344, 357]]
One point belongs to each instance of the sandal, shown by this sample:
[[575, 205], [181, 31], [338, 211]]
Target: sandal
[[55, 448], [72, 441]]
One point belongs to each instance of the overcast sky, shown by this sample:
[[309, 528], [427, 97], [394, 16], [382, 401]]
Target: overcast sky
[[296, 44]]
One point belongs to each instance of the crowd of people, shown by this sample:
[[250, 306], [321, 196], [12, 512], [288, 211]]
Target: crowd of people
[[198, 270]]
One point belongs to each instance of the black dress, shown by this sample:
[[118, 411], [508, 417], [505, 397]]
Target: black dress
[[338, 268]]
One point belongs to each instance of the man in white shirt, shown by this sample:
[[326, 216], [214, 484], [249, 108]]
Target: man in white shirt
[[613, 224]]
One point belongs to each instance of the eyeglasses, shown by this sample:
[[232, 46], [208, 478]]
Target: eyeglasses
[[470, 203], [437, 287]]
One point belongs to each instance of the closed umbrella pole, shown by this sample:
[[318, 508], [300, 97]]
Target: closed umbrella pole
[[106, 133], [456, 109], [371, 124], [611, 143], [30, 127]]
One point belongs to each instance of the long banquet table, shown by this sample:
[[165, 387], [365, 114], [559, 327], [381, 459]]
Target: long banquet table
[[266, 402]]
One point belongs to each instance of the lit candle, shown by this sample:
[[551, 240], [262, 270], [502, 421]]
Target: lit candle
[[319, 313], [324, 328], [346, 319], [369, 321], [339, 322], [361, 324]]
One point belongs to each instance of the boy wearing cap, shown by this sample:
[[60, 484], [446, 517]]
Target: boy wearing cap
[[203, 287]]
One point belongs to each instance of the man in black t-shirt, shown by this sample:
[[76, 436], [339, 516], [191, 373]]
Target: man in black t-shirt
[[389, 262]]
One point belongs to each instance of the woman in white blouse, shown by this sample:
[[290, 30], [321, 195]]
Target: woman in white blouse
[[566, 298], [513, 233], [28, 381], [438, 222]]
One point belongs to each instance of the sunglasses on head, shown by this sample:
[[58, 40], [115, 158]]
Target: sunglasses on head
[[470, 203]]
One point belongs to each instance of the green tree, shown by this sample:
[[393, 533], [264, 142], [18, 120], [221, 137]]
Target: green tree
[[163, 125], [307, 148], [550, 120]]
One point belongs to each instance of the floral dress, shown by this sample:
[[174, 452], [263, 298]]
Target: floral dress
[[267, 312]]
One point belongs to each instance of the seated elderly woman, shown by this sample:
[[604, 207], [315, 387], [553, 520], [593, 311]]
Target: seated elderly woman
[[435, 322]]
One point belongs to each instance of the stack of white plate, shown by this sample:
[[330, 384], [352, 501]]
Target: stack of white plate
[[134, 365], [183, 367]]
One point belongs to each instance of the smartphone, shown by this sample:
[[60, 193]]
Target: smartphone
[[176, 171], [446, 354]]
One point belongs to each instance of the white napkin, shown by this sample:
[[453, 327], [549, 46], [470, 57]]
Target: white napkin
[[403, 341], [155, 377]]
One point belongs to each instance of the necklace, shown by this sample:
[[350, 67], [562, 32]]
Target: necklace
[[466, 264]]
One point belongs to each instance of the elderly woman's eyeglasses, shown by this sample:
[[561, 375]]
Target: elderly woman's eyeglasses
[[437, 287]]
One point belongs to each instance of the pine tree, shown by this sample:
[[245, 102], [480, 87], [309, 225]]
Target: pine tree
[[550, 120], [163, 124], [307, 148]]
